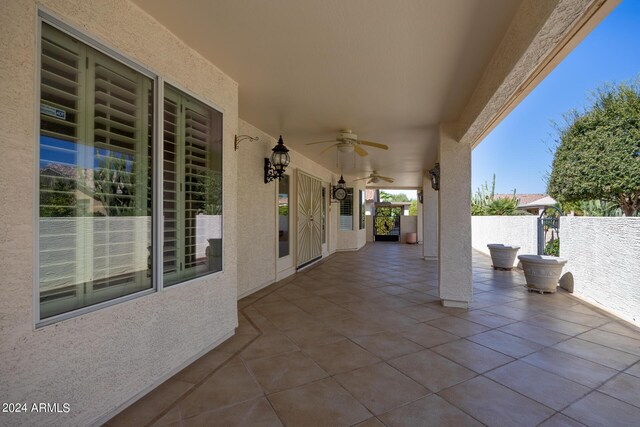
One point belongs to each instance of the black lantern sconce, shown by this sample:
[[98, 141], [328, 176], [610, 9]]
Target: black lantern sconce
[[339, 192], [274, 168], [420, 196], [435, 177]]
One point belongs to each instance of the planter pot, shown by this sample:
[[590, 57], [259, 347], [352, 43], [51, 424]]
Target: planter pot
[[542, 272], [503, 256]]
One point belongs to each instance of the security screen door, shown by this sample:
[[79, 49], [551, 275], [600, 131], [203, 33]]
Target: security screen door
[[309, 219]]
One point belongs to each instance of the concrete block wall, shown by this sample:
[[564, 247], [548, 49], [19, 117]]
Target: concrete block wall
[[604, 257], [509, 230]]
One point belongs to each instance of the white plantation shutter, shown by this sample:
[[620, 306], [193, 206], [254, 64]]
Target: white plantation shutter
[[95, 172], [197, 141], [122, 137], [171, 185], [192, 133], [346, 211], [62, 78]]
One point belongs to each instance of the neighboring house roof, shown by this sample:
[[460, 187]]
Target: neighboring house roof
[[540, 203], [523, 199], [369, 194]]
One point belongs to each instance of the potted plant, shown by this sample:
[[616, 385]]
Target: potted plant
[[502, 256], [542, 272]]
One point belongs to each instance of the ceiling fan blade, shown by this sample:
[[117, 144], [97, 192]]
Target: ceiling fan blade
[[328, 148], [360, 151], [360, 179], [386, 178], [373, 144], [320, 142], [370, 181]]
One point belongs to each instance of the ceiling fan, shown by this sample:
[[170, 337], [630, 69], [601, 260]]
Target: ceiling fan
[[375, 177], [347, 142]]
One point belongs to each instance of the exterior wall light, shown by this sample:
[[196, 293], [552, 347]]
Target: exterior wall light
[[274, 168], [435, 177], [338, 192], [420, 196]]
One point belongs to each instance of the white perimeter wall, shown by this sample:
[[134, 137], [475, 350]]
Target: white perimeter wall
[[509, 230], [101, 360], [604, 257], [408, 224]]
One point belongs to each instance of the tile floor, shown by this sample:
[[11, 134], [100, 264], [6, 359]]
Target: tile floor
[[361, 339]]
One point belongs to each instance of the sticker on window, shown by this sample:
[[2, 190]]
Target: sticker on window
[[52, 111]]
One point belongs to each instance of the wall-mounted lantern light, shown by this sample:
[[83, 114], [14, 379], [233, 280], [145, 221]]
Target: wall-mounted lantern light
[[339, 192], [435, 177], [420, 196], [274, 168]]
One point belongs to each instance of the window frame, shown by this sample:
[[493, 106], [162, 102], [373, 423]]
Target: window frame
[[289, 180], [361, 202], [157, 231], [351, 197]]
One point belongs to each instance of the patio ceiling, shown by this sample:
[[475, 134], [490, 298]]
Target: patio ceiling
[[391, 72]]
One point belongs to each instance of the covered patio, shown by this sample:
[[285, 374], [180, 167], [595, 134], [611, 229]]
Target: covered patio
[[157, 268], [363, 338]]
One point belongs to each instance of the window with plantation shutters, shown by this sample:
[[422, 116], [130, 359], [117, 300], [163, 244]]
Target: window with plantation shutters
[[95, 176], [192, 188], [98, 140], [346, 211]]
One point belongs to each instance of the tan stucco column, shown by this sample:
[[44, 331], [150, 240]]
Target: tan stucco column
[[454, 255], [430, 220]]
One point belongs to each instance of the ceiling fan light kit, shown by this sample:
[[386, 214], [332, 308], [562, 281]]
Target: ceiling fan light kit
[[375, 177], [347, 142]]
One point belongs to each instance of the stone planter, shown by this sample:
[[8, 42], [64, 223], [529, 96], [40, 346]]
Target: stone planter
[[542, 272], [502, 256]]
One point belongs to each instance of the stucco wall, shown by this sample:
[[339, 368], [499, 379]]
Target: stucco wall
[[368, 220], [354, 239], [257, 209], [256, 213], [429, 220], [604, 257], [408, 224], [509, 230], [98, 361]]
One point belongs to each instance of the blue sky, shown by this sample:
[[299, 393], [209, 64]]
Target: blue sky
[[517, 150]]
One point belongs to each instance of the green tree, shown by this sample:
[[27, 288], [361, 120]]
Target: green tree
[[482, 197], [484, 201], [598, 151], [115, 183], [600, 208], [387, 197], [386, 219], [413, 208], [57, 196]]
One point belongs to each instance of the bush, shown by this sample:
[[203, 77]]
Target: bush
[[552, 248], [502, 206]]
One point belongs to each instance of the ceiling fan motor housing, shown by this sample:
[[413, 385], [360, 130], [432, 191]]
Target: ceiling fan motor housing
[[347, 136]]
